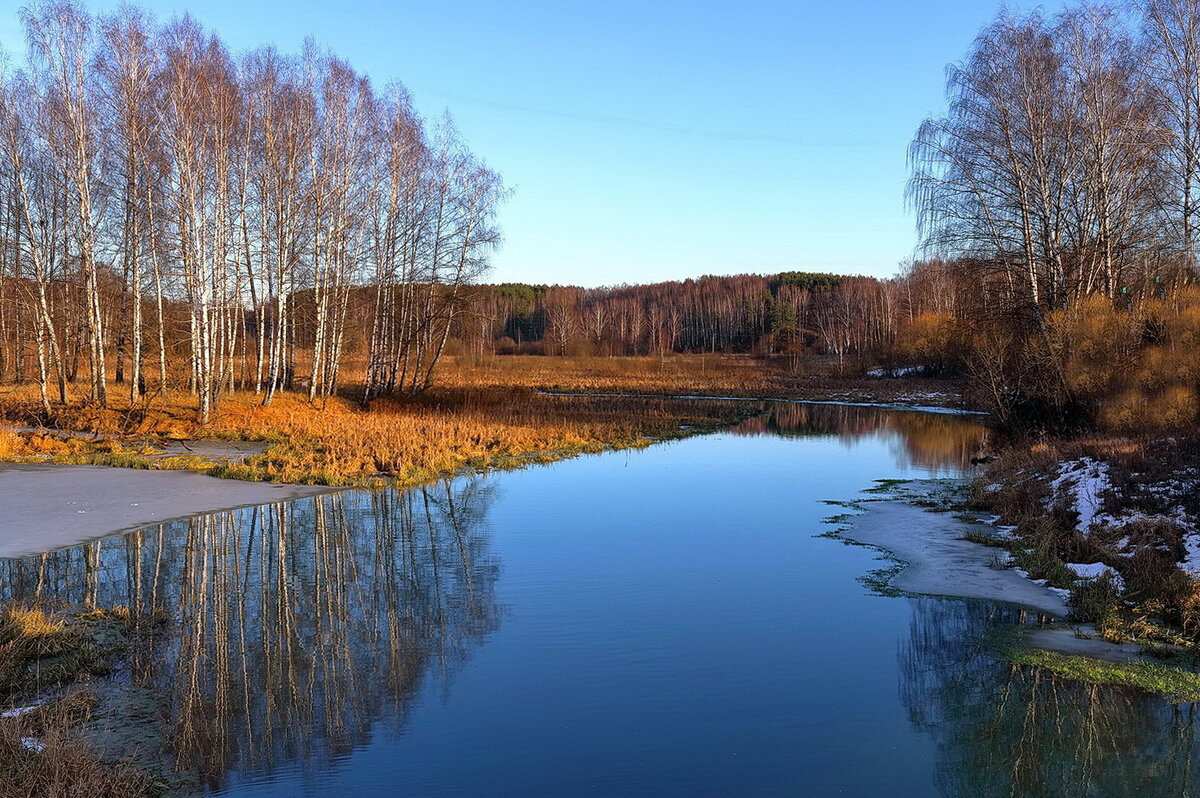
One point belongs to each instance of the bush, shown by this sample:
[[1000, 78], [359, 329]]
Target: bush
[[929, 340], [1189, 613], [1041, 563]]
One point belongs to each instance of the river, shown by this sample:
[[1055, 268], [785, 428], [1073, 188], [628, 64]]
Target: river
[[667, 622]]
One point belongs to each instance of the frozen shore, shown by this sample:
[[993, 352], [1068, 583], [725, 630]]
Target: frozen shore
[[45, 507], [939, 562]]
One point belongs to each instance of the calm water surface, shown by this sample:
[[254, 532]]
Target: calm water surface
[[662, 622]]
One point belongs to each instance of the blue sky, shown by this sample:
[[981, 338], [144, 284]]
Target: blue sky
[[657, 140]]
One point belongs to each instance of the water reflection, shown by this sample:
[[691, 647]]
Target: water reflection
[[1004, 730], [940, 442], [297, 632], [293, 628]]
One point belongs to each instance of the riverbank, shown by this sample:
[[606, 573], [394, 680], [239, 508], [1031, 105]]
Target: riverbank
[[52, 660], [780, 377], [944, 549], [340, 443], [64, 486], [72, 496], [493, 413], [1123, 511]]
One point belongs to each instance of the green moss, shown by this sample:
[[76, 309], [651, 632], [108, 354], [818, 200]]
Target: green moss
[[879, 580], [984, 539], [1175, 684]]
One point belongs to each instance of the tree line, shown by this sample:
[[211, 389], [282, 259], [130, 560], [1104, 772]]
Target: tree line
[[792, 312], [175, 216], [1061, 191]]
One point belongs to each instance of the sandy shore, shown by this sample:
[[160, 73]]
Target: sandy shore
[[44, 507], [940, 562]]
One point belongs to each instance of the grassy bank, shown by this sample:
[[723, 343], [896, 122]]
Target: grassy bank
[[483, 414], [708, 375], [1114, 521], [1161, 659], [47, 658], [1176, 683], [340, 443]]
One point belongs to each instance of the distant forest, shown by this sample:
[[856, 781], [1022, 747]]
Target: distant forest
[[788, 312]]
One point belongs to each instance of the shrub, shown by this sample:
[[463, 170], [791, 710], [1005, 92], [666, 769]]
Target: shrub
[[1189, 613], [1040, 563], [929, 340]]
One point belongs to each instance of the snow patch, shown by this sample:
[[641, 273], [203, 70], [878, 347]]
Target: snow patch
[[1094, 570], [902, 371], [17, 712], [1083, 483], [1191, 561]]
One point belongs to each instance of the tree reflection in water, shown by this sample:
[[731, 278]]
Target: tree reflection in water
[[940, 442], [293, 628], [1004, 730]]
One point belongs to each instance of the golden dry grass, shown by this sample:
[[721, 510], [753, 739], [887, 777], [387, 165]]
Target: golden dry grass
[[484, 413], [64, 767], [338, 442], [678, 374], [775, 377]]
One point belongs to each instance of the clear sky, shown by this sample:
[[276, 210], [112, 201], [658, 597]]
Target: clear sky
[[656, 140]]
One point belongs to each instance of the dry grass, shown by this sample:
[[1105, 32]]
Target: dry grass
[[679, 374], [708, 375], [485, 413], [64, 767], [41, 649], [447, 430], [339, 442], [41, 753]]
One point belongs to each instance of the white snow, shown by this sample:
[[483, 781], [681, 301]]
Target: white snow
[[1083, 481], [1094, 570], [1090, 570], [1191, 561], [17, 712], [1084, 484], [902, 371]]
